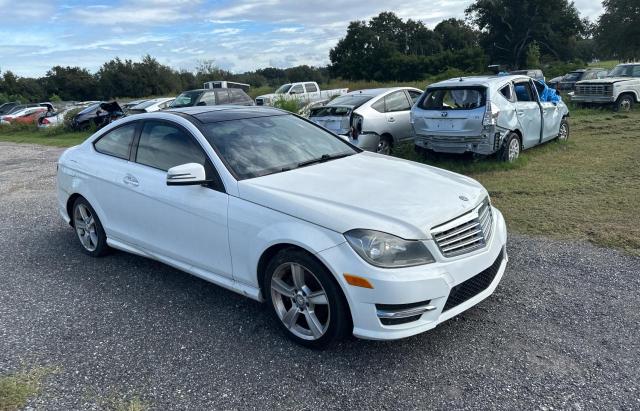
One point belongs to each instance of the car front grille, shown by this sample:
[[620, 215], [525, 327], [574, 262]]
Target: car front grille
[[474, 285], [467, 233], [594, 89]]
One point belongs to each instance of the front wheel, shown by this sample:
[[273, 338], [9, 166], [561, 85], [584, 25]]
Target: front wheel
[[384, 146], [89, 229], [624, 103], [563, 134], [305, 300], [511, 148]]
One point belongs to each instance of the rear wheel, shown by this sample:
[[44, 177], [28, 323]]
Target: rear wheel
[[89, 229], [384, 146], [624, 103], [305, 300], [511, 148]]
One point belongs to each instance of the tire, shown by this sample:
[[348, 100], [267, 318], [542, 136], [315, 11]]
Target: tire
[[385, 145], [88, 228], [624, 104], [563, 134], [511, 148], [311, 310]]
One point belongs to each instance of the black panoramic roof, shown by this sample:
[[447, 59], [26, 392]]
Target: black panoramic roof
[[214, 114]]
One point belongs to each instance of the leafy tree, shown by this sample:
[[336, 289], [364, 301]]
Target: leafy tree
[[618, 28], [71, 83], [455, 34], [533, 55], [509, 26]]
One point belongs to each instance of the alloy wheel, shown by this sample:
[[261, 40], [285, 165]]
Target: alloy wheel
[[564, 132], [625, 104], [300, 301], [514, 149], [86, 229], [384, 147]]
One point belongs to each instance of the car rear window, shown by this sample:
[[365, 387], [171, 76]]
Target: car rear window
[[454, 98]]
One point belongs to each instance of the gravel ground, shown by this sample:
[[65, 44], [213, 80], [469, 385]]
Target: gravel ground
[[561, 331]]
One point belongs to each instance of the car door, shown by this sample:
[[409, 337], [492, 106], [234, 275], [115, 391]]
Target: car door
[[312, 91], [551, 114], [109, 186], [397, 112], [184, 223], [528, 112], [207, 99]]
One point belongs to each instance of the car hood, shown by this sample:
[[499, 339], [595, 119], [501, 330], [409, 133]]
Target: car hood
[[608, 80], [369, 191]]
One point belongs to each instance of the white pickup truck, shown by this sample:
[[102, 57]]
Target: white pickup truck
[[305, 92], [621, 88]]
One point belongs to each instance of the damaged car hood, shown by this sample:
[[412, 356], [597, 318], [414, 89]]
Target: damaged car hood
[[369, 191]]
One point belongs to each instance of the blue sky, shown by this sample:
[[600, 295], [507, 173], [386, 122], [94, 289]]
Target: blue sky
[[238, 35]]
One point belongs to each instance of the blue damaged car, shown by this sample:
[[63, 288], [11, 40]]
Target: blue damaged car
[[501, 115]]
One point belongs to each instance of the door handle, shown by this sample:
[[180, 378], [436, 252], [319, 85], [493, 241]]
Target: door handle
[[130, 180]]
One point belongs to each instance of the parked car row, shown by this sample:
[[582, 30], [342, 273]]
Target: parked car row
[[620, 88]]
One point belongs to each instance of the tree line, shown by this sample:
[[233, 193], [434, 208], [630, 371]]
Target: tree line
[[514, 33]]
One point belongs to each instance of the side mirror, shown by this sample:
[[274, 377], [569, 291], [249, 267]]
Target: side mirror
[[186, 175]]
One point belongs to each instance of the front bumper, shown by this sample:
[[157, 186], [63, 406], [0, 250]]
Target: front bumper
[[424, 289], [592, 99]]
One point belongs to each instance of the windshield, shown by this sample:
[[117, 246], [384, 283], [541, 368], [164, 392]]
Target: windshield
[[455, 98], [89, 109], [283, 89], [186, 99], [575, 76], [353, 100], [258, 146], [625, 71], [340, 111]]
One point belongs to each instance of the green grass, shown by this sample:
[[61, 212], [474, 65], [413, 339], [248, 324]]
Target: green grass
[[16, 389], [587, 188], [57, 137]]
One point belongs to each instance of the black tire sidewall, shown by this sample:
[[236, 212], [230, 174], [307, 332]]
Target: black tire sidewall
[[566, 123], [339, 317], [102, 248]]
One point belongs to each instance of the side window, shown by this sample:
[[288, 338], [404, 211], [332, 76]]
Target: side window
[[223, 96], [238, 96], [311, 88], [506, 92], [602, 74], [209, 98], [163, 146], [117, 142], [636, 71], [539, 87], [396, 101], [297, 89], [414, 96], [524, 92], [378, 105]]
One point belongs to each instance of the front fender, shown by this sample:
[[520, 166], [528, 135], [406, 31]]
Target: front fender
[[253, 229]]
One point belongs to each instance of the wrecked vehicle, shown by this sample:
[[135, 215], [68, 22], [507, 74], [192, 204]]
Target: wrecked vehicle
[[99, 114], [304, 92], [488, 115], [372, 119], [620, 89], [569, 80], [202, 97]]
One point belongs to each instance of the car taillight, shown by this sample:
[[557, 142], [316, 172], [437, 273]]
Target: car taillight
[[491, 114]]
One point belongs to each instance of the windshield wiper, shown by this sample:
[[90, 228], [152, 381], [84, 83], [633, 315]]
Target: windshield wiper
[[322, 159]]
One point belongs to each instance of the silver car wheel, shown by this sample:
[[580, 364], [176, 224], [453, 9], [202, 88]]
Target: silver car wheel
[[384, 147], [514, 149], [564, 132], [85, 226], [300, 301], [625, 104]]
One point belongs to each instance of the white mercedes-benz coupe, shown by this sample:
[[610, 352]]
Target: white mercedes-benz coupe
[[265, 203]]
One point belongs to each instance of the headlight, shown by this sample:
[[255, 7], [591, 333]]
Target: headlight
[[388, 251]]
